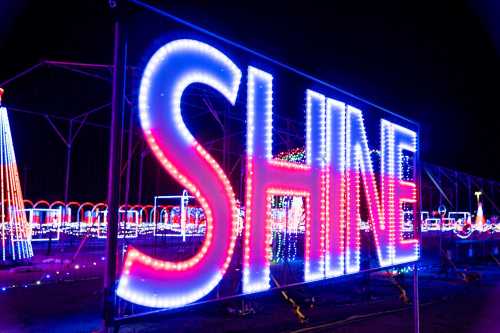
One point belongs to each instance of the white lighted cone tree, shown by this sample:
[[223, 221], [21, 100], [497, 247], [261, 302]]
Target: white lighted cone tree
[[15, 229], [480, 220]]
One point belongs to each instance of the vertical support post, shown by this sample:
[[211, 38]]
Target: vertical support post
[[226, 144], [418, 233], [129, 157], [431, 206], [469, 188], [25, 181], [440, 183], [69, 146], [139, 186], [113, 194], [416, 301], [492, 192]]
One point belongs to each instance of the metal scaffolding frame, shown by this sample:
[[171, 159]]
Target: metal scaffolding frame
[[455, 189]]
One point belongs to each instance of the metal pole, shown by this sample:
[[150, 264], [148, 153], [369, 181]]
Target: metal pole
[[69, 144], [440, 186], [492, 190], [129, 158], [25, 181], [226, 144], [416, 301], [113, 195], [418, 234], [469, 188], [139, 186]]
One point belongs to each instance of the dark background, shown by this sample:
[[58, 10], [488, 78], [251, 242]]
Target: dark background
[[435, 62]]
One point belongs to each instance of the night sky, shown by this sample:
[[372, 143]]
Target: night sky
[[435, 62]]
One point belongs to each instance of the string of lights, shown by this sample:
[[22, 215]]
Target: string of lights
[[15, 230]]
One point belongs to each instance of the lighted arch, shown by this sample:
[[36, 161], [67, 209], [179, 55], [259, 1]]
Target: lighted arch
[[26, 203], [80, 214], [70, 211], [41, 202]]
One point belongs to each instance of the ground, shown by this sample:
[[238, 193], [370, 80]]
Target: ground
[[365, 304]]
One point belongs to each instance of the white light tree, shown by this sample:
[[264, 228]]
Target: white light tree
[[15, 230]]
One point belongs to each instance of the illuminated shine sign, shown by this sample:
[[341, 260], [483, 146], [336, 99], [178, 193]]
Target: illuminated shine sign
[[337, 163]]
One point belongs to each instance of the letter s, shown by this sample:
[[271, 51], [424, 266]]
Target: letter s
[[157, 283]]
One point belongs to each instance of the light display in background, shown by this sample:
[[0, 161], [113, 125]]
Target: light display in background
[[460, 223], [15, 229], [288, 222], [337, 166], [45, 223], [287, 213]]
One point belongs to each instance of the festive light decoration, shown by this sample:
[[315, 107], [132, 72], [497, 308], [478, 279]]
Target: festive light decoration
[[128, 224], [296, 155], [163, 223], [385, 211], [89, 219], [273, 177], [358, 165], [45, 223], [170, 217], [15, 229], [399, 216], [479, 220], [361, 167], [157, 283], [337, 158], [399, 190], [288, 218], [460, 223], [335, 188]]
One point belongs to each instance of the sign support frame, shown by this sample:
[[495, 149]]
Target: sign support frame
[[115, 143], [111, 323]]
